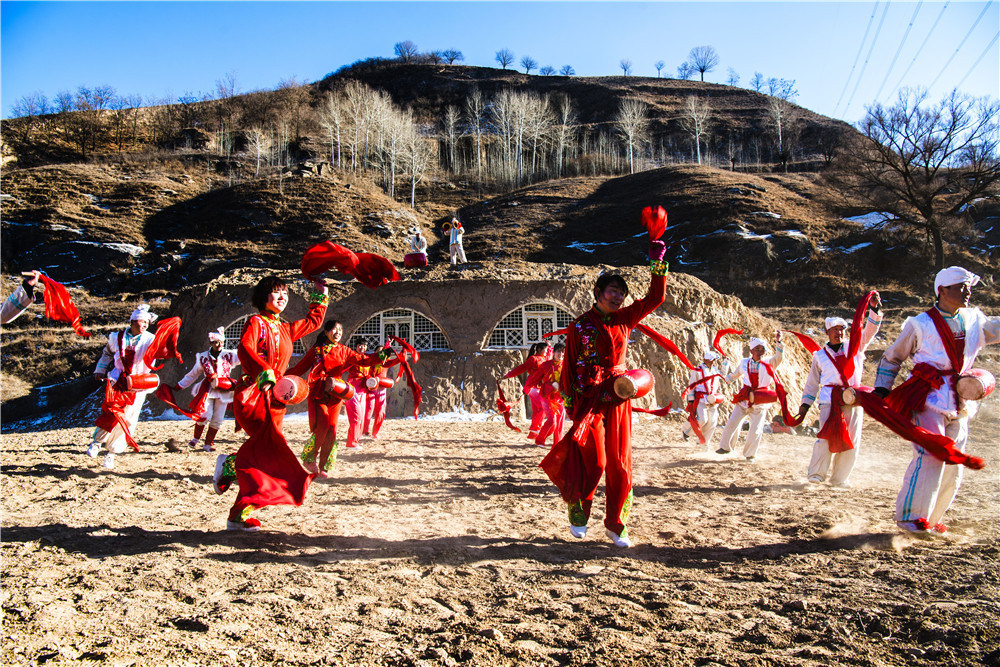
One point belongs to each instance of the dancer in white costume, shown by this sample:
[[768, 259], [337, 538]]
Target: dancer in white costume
[[123, 357], [943, 343], [706, 396], [215, 365], [747, 402], [825, 378]]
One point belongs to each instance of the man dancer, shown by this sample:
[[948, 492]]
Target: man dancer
[[455, 249], [704, 397], [830, 373], [121, 358], [21, 298], [943, 343], [215, 392], [758, 375]]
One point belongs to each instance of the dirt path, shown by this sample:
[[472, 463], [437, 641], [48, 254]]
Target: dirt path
[[443, 543]]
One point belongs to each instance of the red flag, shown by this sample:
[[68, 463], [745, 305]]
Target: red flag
[[724, 332], [60, 307], [666, 344], [811, 345], [164, 345], [655, 221], [370, 270]]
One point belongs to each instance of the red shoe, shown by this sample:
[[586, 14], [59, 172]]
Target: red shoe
[[939, 529], [251, 525]]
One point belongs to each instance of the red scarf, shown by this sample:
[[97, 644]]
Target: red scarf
[[911, 396], [692, 407], [59, 305], [834, 429]]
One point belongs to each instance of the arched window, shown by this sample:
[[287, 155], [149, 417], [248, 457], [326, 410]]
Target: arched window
[[234, 332], [523, 327], [403, 323]]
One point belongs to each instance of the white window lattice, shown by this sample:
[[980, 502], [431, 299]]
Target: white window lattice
[[527, 325], [403, 323], [234, 332]]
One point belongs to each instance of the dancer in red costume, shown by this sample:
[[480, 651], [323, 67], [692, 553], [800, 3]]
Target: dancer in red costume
[[266, 469], [377, 382], [537, 355], [356, 407], [546, 381], [326, 359], [600, 439]]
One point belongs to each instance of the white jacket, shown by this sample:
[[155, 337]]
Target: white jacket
[[205, 365]]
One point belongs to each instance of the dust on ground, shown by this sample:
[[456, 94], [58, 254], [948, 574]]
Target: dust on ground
[[444, 543]]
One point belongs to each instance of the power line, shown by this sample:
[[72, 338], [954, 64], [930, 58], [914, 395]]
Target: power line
[[899, 50], [981, 56], [961, 44], [921, 48], [871, 48], [861, 47]]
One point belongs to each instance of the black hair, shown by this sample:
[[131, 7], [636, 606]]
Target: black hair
[[262, 290], [558, 347], [537, 348], [329, 326], [606, 279]]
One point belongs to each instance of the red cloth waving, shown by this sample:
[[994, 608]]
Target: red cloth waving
[[59, 305], [718, 336], [164, 345], [371, 270]]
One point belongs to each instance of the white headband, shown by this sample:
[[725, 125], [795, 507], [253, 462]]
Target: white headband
[[710, 356], [142, 313], [954, 275], [832, 322], [754, 342], [218, 334]]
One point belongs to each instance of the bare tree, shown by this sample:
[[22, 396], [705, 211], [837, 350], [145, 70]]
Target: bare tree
[[732, 78], [564, 129], [450, 122], [331, 118], [406, 51], [548, 70], [685, 71], [567, 70], [416, 154], [626, 66], [29, 108], [757, 82], [696, 114], [435, 57], [633, 124], [452, 56], [474, 109], [703, 59], [505, 57], [923, 163], [782, 88], [528, 63], [258, 145], [781, 114], [659, 65]]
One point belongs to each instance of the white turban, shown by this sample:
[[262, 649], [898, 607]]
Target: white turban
[[754, 342], [832, 322], [954, 275], [711, 356], [142, 313], [218, 334]]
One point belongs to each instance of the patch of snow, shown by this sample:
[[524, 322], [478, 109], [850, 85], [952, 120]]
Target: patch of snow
[[869, 220], [766, 214], [591, 247], [750, 236], [848, 251], [126, 248], [64, 228], [794, 232], [965, 207]]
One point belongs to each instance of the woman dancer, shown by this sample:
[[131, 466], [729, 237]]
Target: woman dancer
[[537, 355], [326, 359], [546, 381], [265, 468]]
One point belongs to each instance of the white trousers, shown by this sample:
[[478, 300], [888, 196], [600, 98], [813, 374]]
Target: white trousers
[[457, 252], [215, 412], [114, 441], [708, 418], [930, 485], [741, 412], [842, 463]]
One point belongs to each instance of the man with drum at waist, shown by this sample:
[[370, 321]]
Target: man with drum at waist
[[214, 393], [121, 359], [943, 343], [834, 369], [754, 399]]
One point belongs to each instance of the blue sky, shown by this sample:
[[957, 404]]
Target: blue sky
[[842, 55]]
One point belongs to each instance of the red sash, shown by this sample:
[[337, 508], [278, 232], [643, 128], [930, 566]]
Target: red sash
[[834, 429], [692, 407], [117, 398], [911, 396]]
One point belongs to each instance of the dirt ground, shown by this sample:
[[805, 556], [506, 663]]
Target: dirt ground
[[443, 543]]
